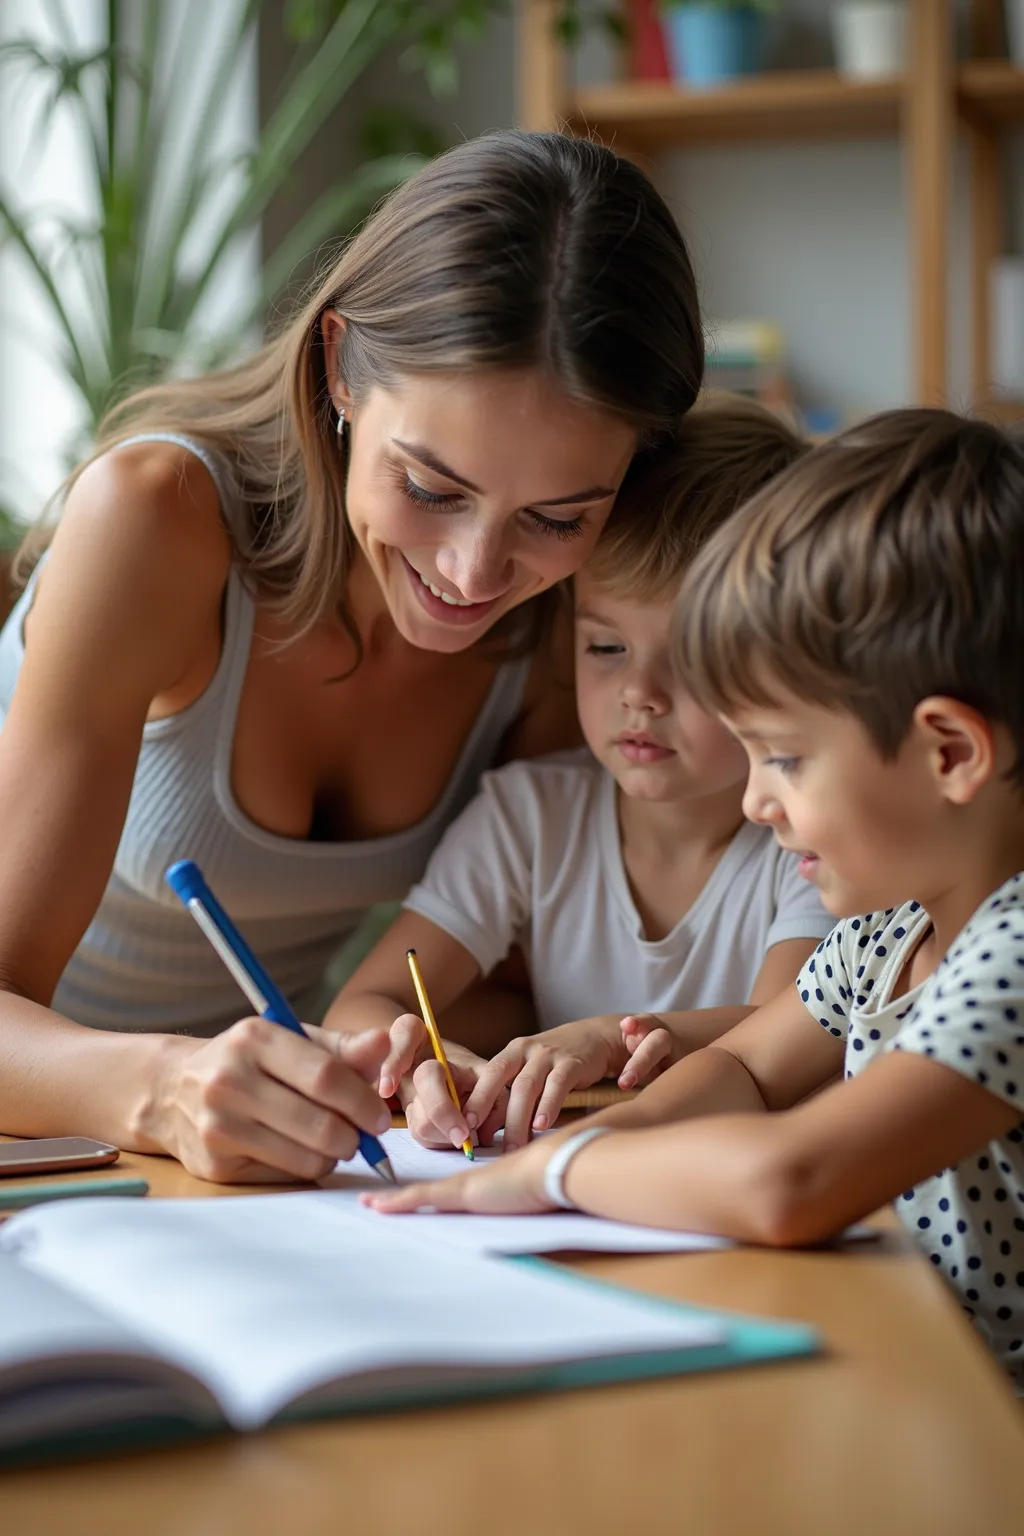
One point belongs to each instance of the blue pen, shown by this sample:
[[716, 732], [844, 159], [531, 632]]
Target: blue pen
[[187, 882]]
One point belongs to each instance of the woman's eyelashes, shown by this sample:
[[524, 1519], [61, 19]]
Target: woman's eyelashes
[[445, 501], [571, 528], [425, 498]]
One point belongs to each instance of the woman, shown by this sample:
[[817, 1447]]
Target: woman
[[289, 614]]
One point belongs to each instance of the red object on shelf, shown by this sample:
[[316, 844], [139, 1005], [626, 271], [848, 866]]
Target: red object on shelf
[[648, 56]]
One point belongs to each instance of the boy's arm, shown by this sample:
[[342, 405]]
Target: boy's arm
[[783, 1179], [798, 1177]]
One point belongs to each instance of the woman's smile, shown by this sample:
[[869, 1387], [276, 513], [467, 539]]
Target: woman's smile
[[443, 606]]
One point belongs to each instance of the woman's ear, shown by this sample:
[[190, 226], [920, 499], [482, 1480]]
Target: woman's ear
[[332, 329], [961, 746]]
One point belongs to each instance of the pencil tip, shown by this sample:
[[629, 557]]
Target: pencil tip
[[469, 1153]]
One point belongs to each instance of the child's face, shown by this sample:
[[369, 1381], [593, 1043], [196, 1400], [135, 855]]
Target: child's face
[[864, 826], [638, 722]]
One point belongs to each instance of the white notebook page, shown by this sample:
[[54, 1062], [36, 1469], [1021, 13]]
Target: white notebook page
[[266, 1297], [559, 1231]]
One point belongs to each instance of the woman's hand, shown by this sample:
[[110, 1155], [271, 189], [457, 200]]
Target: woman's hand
[[259, 1103], [507, 1187]]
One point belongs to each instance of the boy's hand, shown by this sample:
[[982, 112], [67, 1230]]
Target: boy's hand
[[429, 1112], [651, 1046], [408, 1044], [510, 1186], [537, 1071], [411, 1071]]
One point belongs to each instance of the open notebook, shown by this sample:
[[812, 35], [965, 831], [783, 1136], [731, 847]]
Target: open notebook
[[125, 1323]]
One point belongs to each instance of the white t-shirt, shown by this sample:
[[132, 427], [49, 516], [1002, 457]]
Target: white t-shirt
[[536, 860], [969, 1015]]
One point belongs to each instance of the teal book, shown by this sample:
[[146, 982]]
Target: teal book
[[125, 1322]]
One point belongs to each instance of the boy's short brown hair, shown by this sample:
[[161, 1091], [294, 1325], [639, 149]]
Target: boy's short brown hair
[[887, 565], [674, 497]]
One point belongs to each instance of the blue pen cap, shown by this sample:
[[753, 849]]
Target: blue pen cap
[[185, 880]]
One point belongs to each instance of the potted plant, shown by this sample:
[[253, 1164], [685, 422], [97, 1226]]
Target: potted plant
[[168, 210], [713, 41]]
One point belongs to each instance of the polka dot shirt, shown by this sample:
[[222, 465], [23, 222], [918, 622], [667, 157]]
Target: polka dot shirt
[[969, 1015]]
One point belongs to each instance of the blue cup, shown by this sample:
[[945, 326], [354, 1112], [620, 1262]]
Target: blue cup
[[710, 44]]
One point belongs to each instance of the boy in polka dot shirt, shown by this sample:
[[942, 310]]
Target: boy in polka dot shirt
[[860, 626]]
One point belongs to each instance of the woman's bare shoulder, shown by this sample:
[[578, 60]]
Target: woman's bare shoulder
[[154, 500], [138, 564]]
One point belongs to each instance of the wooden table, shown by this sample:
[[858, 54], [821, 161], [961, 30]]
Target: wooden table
[[904, 1426]]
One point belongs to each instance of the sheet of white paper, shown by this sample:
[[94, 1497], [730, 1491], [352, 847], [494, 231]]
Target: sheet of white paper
[[560, 1231], [266, 1297], [411, 1161], [557, 1232]]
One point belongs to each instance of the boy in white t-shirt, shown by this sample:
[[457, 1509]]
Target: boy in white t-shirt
[[626, 874], [861, 624]]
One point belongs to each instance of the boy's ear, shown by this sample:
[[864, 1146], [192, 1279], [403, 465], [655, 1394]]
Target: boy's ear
[[332, 328], [961, 746]]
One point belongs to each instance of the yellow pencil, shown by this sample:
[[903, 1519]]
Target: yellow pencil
[[427, 1015]]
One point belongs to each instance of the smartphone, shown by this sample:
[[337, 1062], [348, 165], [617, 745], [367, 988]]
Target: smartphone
[[55, 1154]]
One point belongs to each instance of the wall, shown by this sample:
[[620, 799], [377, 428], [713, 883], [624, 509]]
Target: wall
[[813, 236]]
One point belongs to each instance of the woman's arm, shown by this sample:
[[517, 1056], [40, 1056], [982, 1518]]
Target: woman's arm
[[128, 609]]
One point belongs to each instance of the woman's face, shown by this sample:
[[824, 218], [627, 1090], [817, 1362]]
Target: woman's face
[[470, 493]]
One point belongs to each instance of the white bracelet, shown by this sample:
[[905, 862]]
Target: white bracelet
[[558, 1162]]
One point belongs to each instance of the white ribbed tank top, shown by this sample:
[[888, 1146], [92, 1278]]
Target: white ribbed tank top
[[143, 964]]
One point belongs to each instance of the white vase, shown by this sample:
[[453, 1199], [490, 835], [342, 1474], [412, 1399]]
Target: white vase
[[1014, 12], [870, 38], [1006, 319]]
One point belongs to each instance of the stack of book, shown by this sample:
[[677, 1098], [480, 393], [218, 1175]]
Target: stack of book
[[748, 358]]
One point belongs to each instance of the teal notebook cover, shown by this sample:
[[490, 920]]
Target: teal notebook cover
[[748, 1341]]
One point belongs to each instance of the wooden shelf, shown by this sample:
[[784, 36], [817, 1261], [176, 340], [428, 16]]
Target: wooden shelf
[[990, 93], [1005, 412], [796, 104]]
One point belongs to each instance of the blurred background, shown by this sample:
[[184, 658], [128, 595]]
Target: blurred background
[[847, 172]]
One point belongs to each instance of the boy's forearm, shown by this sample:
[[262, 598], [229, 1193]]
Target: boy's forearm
[[698, 1027], [710, 1082], [724, 1175]]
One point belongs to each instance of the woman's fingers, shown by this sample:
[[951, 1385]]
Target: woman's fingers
[[326, 1071], [407, 1039], [237, 1150], [260, 1101]]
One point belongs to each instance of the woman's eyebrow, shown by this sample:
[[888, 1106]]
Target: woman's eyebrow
[[429, 460]]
